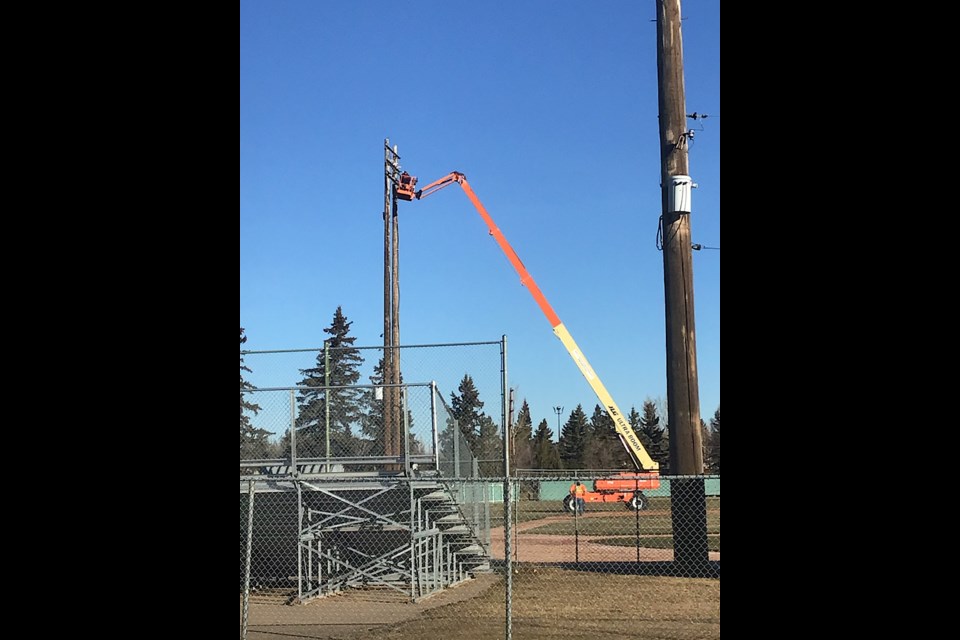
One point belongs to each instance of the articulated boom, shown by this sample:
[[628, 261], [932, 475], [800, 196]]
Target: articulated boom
[[406, 190]]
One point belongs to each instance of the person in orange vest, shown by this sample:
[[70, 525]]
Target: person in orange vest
[[577, 490]]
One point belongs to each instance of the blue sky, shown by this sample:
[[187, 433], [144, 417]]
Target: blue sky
[[549, 108]]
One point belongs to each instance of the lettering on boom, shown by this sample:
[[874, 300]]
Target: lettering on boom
[[633, 439], [583, 364]]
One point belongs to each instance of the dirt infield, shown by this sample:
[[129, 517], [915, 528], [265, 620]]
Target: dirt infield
[[350, 614], [549, 603], [532, 547]]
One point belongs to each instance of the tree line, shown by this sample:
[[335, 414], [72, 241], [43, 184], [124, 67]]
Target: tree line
[[356, 422], [593, 443]]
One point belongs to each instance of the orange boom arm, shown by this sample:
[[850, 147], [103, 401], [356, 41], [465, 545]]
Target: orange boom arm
[[406, 191]]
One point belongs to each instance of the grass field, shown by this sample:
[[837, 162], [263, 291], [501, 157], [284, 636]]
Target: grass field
[[653, 527], [525, 510], [553, 604]]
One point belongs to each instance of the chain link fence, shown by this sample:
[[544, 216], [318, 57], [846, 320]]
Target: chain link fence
[[311, 406], [445, 364], [366, 511], [431, 556], [344, 431]]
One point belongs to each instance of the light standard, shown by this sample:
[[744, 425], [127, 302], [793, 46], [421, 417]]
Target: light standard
[[558, 411]]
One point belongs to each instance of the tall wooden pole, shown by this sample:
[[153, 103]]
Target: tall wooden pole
[[397, 420], [387, 373], [683, 395]]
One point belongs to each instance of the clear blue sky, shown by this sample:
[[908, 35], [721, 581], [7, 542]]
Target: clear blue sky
[[549, 108]]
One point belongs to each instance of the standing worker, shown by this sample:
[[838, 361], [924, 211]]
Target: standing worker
[[577, 490]]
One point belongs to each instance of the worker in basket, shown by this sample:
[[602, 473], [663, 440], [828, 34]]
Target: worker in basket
[[577, 490]]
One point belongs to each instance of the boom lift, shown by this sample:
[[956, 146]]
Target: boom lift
[[625, 487]]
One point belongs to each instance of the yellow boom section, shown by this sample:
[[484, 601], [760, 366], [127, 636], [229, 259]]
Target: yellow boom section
[[627, 435]]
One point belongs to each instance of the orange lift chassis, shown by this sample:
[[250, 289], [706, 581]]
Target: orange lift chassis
[[623, 487]]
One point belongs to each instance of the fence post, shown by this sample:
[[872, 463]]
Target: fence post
[[299, 542], [456, 448], [476, 493], [507, 503], [516, 523], [293, 433], [408, 471], [637, 512], [436, 434], [326, 397], [246, 571], [576, 530]]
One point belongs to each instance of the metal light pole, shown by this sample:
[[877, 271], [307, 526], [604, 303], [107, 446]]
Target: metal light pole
[[558, 411]]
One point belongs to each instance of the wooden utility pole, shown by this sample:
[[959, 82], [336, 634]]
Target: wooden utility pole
[[683, 395], [396, 435], [391, 175]]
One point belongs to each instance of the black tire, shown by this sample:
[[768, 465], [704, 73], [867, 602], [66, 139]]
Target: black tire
[[568, 504], [638, 502]]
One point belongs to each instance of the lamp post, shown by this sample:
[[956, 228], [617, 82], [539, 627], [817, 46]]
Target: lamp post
[[558, 411]]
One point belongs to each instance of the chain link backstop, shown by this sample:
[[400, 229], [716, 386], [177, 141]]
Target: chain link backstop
[[340, 538]]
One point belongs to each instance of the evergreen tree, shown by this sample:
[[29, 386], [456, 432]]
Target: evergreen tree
[[713, 456], [478, 429], [245, 405], [345, 403], [653, 436], [372, 420], [634, 418], [489, 448], [521, 455], [604, 449], [466, 410], [253, 441], [545, 454], [601, 424], [704, 445], [573, 439], [448, 449]]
